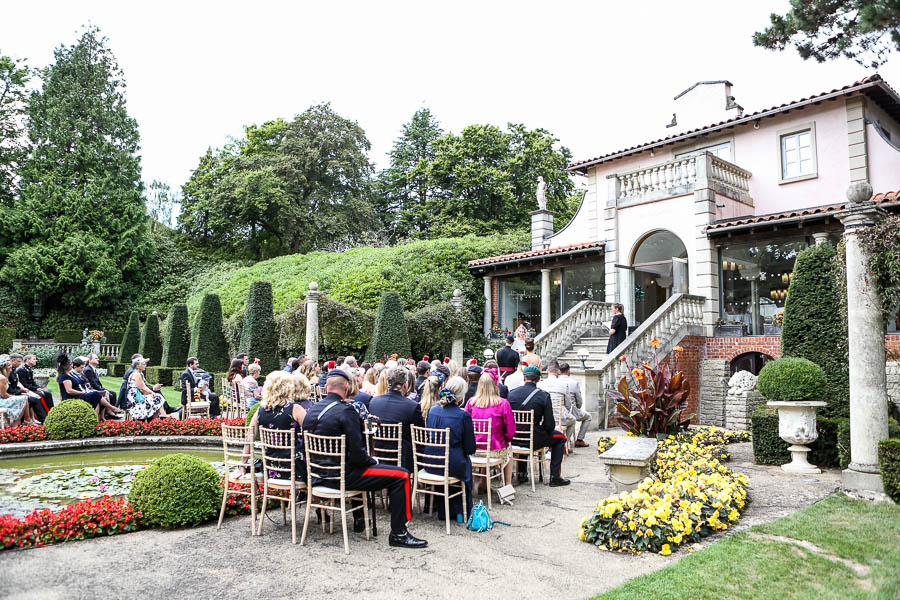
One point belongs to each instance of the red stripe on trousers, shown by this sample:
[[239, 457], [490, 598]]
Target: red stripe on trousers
[[391, 473], [44, 403]]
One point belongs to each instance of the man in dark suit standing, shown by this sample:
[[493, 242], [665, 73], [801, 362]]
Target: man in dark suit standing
[[507, 358], [618, 329], [93, 378], [530, 397], [395, 407], [191, 376]]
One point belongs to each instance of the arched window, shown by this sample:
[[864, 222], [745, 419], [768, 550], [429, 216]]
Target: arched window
[[660, 246], [749, 361]]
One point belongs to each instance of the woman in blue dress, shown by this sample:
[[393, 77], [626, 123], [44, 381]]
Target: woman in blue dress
[[72, 385], [447, 413]]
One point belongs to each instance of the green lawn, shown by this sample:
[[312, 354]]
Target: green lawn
[[172, 395], [743, 566]]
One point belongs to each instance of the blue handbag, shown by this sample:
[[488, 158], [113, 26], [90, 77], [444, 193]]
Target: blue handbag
[[479, 520]]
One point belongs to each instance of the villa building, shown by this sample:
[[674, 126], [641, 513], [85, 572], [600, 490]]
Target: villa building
[[696, 233]]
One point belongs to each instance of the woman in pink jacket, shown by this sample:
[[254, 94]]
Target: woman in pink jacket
[[487, 404]]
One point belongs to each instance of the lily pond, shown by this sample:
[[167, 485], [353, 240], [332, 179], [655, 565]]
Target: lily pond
[[37, 482]]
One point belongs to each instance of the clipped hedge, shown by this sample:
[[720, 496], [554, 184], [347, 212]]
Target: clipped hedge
[[769, 449], [118, 369], [68, 336], [791, 379], [177, 340], [161, 375], [7, 335], [176, 490], [259, 338], [844, 439], [889, 463], [207, 340], [390, 335], [814, 330], [70, 420], [114, 337], [131, 341], [343, 329], [151, 344]]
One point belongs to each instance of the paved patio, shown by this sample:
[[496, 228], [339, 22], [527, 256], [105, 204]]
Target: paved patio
[[538, 555]]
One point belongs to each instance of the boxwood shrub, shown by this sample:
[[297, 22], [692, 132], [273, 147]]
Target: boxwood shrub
[[176, 490], [250, 414], [768, 448], [68, 336], [207, 340], [791, 379], [161, 375], [151, 344], [177, 340], [259, 338], [889, 463], [131, 340], [390, 335], [118, 369], [71, 420], [7, 335], [114, 337]]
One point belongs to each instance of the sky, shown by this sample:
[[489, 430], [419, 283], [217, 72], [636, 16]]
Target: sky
[[598, 75]]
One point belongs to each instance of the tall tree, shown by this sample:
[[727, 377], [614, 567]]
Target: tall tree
[[79, 232], [863, 30], [406, 185], [14, 76]]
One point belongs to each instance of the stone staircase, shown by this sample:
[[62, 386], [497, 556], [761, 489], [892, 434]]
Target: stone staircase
[[594, 344]]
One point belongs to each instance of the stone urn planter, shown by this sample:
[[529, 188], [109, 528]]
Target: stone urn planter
[[41, 381], [797, 426]]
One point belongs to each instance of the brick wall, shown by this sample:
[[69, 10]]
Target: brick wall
[[892, 347], [729, 347]]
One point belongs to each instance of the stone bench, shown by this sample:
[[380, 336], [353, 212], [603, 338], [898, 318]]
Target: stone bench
[[628, 461]]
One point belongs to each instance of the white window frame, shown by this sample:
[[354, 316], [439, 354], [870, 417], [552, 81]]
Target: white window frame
[[779, 137], [708, 148]]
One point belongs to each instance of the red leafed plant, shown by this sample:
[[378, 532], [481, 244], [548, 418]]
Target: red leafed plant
[[656, 402]]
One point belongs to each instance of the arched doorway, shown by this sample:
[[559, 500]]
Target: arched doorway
[[660, 270], [749, 361]]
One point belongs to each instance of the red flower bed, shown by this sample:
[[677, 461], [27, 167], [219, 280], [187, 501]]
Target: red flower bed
[[23, 433], [199, 427], [91, 518]]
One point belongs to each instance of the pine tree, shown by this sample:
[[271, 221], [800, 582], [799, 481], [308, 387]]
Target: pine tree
[[178, 337], [208, 343], [151, 345], [131, 341], [80, 233], [390, 335], [259, 338], [813, 327]]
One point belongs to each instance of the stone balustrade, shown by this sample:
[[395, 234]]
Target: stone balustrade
[[565, 331]]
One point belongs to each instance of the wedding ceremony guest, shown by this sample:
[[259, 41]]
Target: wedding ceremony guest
[[431, 387], [252, 391], [332, 416], [370, 381], [72, 385], [123, 389], [142, 401], [360, 395], [423, 369], [394, 406], [556, 386], [235, 373], [519, 343], [618, 328], [25, 375], [573, 391], [311, 371], [487, 404], [446, 414], [289, 367], [491, 367], [15, 388], [245, 362], [516, 379], [530, 397], [507, 359], [352, 392], [18, 411], [194, 375], [93, 377], [473, 375], [530, 358]]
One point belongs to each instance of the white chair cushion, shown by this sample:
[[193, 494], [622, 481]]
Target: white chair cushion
[[245, 478], [329, 492], [427, 477], [203, 404], [480, 461], [285, 484]]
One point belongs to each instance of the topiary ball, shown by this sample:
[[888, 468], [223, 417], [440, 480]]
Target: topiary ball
[[70, 420], [250, 414], [791, 379], [177, 490]]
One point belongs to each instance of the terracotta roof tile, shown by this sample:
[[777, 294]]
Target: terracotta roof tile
[[883, 198], [491, 260], [865, 82]]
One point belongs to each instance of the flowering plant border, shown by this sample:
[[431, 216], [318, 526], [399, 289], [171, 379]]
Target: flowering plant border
[[109, 429]]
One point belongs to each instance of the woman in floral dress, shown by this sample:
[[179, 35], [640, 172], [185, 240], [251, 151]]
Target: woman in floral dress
[[141, 401], [18, 411]]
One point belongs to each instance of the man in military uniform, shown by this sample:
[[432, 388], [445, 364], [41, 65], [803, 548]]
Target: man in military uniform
[[333, 416], [530, 397], [507, 359]]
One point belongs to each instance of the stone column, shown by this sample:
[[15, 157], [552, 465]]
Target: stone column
[[488, 307], [312, 321], [456, 351], [868, 384], [820, 237], [546, 315]]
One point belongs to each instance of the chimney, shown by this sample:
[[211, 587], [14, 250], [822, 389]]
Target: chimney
[[541, 228], [704, 103]]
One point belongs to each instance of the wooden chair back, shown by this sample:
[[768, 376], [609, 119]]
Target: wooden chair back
[[237, 404], [386, 443], [424, 439], [274, 440], [482, 427], [559, 402], [320, 448], [235, 439], [524, 435]]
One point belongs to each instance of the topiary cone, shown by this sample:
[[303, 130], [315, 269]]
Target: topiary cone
[[390, 335], [151, 344], [177, 340], [259, 338], [208, 343], [131, 341]]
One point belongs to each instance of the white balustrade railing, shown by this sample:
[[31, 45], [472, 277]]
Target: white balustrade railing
[[110, 351], [682, 176], [681, 315], [566, 330]]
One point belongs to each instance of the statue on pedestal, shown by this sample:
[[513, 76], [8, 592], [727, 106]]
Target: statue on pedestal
[[541, 196]]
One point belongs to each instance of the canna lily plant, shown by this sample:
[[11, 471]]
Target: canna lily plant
[[656, 402]]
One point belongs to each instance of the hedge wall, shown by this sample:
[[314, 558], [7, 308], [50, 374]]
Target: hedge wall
[[131, 341], [844, 439], [390, 335], [151, 344], [259, 338], [118, 369], [6, 339], [114, 337], [68, 336], [207, 340], [769, 449], [813, 330], [177, 339], [889, 463], [161, 375]]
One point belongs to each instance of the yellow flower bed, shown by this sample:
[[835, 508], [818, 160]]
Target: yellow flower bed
[[695, 496]]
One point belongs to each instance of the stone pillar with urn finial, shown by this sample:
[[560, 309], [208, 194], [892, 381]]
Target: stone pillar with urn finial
[[456, 351], [312, 321]]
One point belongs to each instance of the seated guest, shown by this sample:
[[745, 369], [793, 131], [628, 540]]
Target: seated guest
[[279, 409], [491, 367], [370, 382], [395, 407], [332, 416], [382, 387], [93, 377], [360, 395], [431, 387], [304, 389], [235, 376], [556, 386], [193, 376], [411, 379], [142, 401], [516, 379], [14, 388], [352, 392], [245, 362], [288, 367], [252, 391], [487, 404], [423, 369], [123, 389], [25, 375], [311, 371], [473, 374], [447, 414], [530, 397], [72, 385], [18, 411], [573, 392]]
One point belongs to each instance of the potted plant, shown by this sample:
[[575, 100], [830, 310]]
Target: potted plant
[[794, 387], [773, 326], [730, 328]]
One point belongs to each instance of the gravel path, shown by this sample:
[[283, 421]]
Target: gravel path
[[539, 555]]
